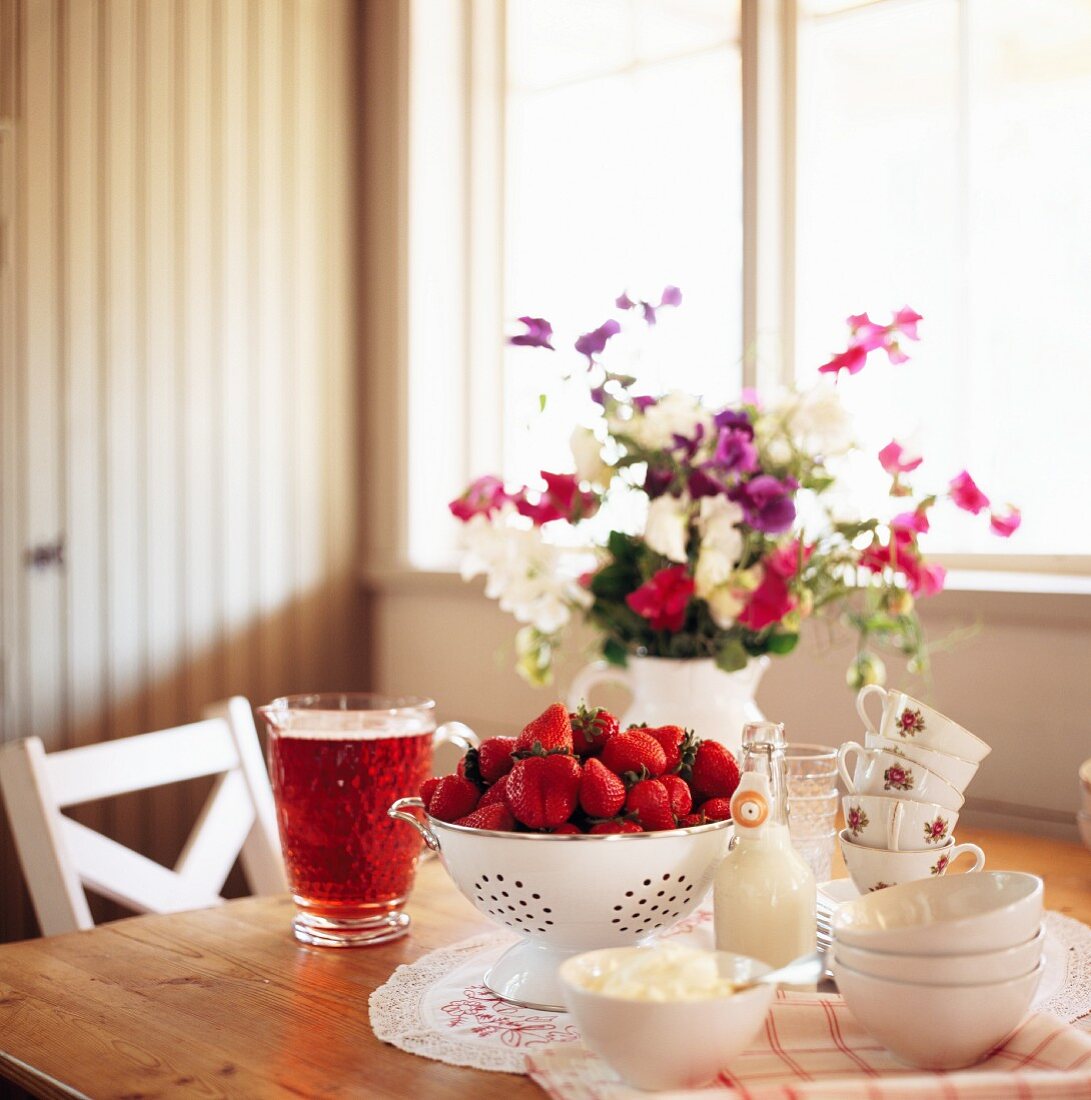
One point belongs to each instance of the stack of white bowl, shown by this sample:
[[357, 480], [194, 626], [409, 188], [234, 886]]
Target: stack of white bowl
[[905, 792], [941, 971]]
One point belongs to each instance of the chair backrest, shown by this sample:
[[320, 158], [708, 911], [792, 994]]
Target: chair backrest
[[60, 856]]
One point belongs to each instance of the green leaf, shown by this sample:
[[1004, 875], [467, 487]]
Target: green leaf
[[614, 652], [732, 656], [542, 400], [782, 643]]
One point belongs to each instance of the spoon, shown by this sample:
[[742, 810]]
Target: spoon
[[806, 970]]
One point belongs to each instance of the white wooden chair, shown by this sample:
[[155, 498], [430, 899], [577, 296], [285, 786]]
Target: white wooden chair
[[60, 856]]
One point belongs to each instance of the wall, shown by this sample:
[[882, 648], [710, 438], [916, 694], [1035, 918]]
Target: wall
[[1017, 680], [177, 397]]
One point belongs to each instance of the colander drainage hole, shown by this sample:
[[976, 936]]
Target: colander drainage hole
[[647, 882], [500, 878]]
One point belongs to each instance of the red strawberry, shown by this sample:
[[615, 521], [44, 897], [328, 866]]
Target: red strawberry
[[551, 731], [453, 797], [591, 729], [495, 793], [670, 737], [497, 817], [427, 789], [567, 828], [650, 801], [680, 795], [494, 758], [602, 794], [542, 791], [717, 809], [615, 827], [632, 750], [688, 821], [715, 773]]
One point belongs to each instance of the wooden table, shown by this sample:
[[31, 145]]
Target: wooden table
[[223, 1002]]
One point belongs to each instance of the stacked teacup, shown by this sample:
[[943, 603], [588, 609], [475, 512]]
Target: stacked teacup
[[905, 792]]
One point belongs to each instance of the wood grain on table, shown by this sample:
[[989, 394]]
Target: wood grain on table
[[224, 1003]]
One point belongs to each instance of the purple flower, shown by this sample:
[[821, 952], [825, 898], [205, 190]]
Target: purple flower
[[766, 502], [735, 451], [736, 419], [592, 343], [644, 403], [598, 395], [623, 301], [702, 483], [649, 312], [671, 296], [539, 330], [657, 480], [688, 445]]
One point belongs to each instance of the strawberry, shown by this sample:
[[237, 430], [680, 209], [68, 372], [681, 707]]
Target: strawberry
[[542, 791], [551, 731], [566, 828], [494, 758], [602, 794], [615, 827], [671, 738], [591, 729], [717, 809], [632, 751], [681, 798], [650, 801], [427, 789], [496, 816], [453, 797], [688, 821], [495, 793], [715, 773]]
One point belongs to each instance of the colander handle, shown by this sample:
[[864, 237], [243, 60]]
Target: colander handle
[[398, 811]]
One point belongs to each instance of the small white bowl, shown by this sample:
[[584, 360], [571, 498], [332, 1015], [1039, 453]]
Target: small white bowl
[[936, 1026], [948, 915], [666, 1044], [982, 966]]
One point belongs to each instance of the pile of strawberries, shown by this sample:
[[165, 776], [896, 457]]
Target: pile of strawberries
[[579, 773]]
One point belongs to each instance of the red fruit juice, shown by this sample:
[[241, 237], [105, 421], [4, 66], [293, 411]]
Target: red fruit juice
[[345, 858]]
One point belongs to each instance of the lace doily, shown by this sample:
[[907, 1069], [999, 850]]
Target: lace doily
[[438, 1007]]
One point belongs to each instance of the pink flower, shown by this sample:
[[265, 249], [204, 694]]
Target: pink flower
[[930, 580], [895, 459], [852, 360], [900, 555], [483, 497], [538, 334], [916, 521], [563, 499], [905, 322], [1006, 525], [966, 495], [865, 336], [772, 599], [663, 599]]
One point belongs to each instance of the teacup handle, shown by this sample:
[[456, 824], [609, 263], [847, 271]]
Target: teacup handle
[[457, 734], [861, 696], [962, 849], [842, 768], [894, 826], [597, 672]]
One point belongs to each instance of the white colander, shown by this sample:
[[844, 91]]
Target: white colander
[[567, 894]]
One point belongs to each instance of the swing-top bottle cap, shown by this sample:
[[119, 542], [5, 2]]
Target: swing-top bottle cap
[[763, 736]]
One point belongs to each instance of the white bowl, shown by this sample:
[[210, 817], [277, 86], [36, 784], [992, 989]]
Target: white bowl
[[936, 1026], [949, 915], [567, 894], [666, 1044], [982, 966]]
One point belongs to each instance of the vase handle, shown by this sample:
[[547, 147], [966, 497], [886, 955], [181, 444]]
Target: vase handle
[[598, 672]]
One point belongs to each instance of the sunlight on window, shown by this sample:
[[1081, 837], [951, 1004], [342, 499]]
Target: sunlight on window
[[623, 173], [943, 163]]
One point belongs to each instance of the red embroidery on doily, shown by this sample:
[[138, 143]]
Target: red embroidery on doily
[[492, 1016]]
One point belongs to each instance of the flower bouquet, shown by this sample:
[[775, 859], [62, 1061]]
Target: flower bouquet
[[684, 531]]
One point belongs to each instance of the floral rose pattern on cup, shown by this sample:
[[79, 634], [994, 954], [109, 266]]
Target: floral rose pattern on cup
[[935, 831], [896, 778], [879, 886], [910, 722], [857, 820], [941, 865]]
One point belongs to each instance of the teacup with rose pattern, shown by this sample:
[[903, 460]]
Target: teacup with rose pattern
[[879, 821]]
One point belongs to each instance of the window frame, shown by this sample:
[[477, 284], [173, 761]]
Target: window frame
[[768, 44]]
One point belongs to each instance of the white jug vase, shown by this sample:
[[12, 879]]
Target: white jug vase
[[694, 694]]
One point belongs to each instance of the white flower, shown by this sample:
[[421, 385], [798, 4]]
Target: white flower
[[667, 526], [587, 451], [713, 569], [717, 522], [724, 607], [674, 414], [816, 420]]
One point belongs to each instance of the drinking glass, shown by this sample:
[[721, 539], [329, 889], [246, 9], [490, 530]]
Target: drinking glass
[[812, 803], [336, 762]]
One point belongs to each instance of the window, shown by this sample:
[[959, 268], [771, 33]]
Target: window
[[561, 152]]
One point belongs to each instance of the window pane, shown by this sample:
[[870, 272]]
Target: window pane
[[943, 162], [625, 175]]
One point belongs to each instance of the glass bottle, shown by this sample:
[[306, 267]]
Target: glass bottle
[[764, 892]]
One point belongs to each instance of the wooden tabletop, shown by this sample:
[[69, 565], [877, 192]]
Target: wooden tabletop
[[223, 1002]]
